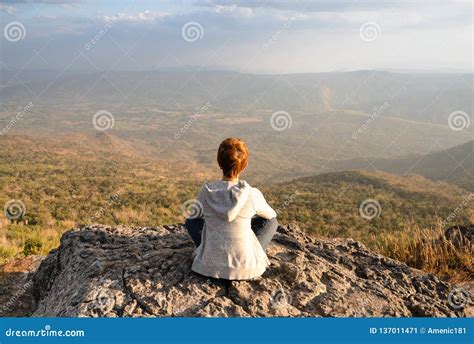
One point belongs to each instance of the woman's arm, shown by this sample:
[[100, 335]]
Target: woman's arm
[[261, 206]]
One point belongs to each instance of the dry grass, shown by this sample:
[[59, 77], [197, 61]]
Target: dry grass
[[428, 250], [424, 249], [19, 241]]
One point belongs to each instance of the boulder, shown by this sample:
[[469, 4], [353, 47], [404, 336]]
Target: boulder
[[101, 271]]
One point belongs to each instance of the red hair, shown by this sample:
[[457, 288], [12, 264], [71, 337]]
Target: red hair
[[232, 157]]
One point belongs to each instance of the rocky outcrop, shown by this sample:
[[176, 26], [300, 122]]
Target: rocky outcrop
[[121, 271]]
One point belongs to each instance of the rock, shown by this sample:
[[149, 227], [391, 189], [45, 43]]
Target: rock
[[16, 286], [460, 236], [122, 272]]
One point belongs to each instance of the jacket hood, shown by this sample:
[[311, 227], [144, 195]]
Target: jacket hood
[[225, 199]]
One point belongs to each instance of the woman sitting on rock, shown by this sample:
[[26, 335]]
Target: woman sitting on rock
[[236, 223]]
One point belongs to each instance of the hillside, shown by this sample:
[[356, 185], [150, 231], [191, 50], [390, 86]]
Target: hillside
[[328, 204], [101, 178], [454, 165]]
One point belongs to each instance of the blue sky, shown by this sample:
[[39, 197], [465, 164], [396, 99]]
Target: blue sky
[[248, 36]]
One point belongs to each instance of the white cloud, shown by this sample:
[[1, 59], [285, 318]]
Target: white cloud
[[7, 9], [245, 12], [145, 16]]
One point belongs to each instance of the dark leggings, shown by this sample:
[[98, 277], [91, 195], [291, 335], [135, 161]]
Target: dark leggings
[[264, 229]]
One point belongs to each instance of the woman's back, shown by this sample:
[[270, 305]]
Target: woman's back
[[229, 248]]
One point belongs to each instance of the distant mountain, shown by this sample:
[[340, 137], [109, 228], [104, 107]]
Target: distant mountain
[[425, 97], [454, 165]]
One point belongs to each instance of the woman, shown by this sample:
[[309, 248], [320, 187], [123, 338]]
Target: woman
[[236, 224]]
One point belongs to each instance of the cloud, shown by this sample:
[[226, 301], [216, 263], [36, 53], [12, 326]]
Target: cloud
[[7, 9], [145, 16], [301, 5]]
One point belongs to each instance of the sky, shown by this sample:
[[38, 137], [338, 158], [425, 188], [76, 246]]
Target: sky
[[248, 36]]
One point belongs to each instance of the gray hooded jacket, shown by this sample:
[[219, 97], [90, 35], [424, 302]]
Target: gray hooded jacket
[[229, 249]]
